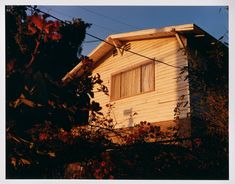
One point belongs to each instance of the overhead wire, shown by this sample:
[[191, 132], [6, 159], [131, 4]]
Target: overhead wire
[[67, 15], [107, 17], [91, 41], [136, 53], [102, 40]]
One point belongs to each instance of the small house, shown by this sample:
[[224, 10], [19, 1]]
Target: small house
[[147, 73]]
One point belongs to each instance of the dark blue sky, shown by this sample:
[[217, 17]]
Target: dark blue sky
[[108, 20]]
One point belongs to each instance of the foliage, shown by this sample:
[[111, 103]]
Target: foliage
[[209, 81], [48, 134], [152, 161], [207, 74], [42, 111]]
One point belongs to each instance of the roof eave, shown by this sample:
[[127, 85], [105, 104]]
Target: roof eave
[[105, 47]]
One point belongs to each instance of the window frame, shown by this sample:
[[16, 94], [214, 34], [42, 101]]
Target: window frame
[[129, 69]]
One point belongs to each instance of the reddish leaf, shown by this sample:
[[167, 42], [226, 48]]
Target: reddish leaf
[[102, 164], [55, 36], [13, 161], [111, 177], [43, 136], [45, 39], [106, 171], [97, 171], [63, 136], [24, 161], [11, 65], [49, 26], [57, 24], [197, 141], [31, 29], [51, 154], [50, 102], [38, 21]]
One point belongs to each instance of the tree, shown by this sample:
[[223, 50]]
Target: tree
[[41, 111]]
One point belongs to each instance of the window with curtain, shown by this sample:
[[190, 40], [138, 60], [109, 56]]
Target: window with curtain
[[134, 81]]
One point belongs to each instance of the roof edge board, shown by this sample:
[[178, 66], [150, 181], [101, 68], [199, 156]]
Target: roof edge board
[[185, 27], [102, 44]]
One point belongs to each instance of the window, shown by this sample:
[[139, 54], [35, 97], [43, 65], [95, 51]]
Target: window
[[133, 81]]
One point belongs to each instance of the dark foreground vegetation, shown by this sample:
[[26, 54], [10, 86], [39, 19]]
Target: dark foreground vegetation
[[137, 161]]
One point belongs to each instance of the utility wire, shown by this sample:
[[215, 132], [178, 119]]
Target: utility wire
[[102, 40], [110, 18], [91, 41], [141, 55], [67, 15]]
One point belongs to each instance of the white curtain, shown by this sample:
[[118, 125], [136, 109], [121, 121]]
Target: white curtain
[[116, 87], [130, 82], [147, 77]]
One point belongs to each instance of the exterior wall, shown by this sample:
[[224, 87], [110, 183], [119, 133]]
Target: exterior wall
[[155, 106]]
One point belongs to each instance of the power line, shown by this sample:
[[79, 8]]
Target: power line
[[110, 18], [141, 55], [67, 15], [91, 41], [103, 27], [116, 47]]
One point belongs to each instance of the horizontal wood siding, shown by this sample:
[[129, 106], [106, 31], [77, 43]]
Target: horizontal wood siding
[[154, 106]]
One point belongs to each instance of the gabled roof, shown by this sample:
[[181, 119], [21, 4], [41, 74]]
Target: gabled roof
[[117, 39]]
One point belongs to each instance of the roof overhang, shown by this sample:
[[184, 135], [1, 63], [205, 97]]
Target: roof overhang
[[105, 47]]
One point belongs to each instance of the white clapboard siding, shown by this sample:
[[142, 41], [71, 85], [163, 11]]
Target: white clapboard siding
[[152, 106]]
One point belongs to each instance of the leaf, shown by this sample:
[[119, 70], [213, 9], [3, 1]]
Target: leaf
[[95, 106], [45, 39], [51, 154], [56, 24], [25, 162], [31, 29], [55, 36], [182, 71], [16, 103], [13, 161], [221, 38], [185, 104], [10, 66], [28, 102], [43, 136], [182, 97], [38, 21], [39, 152], [91, 94], [100, 113], [49, 25], [31, 145], [186, 78], [226, 43]]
